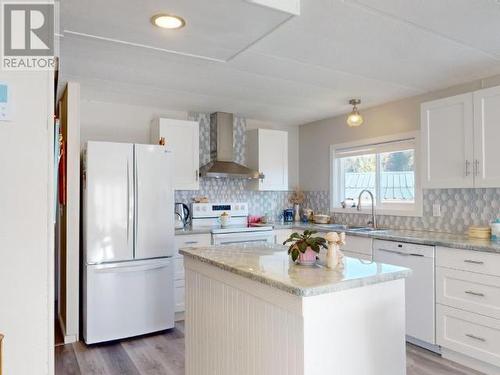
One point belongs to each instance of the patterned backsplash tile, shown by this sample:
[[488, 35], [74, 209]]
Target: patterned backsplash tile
[[460, 208], [234, 190]]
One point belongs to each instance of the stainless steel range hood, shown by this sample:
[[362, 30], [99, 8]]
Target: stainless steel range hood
[[222, 162]]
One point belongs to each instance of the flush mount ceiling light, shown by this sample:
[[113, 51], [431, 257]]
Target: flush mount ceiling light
[[354, 119], [168, 21]]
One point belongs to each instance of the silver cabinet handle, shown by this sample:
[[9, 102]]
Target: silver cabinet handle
[[475, 337], [474, 293], [476, 167], [473, 261], [467, 164], [400, 253], [190, 242]]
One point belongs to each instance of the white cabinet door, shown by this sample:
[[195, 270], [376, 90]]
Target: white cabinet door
[[486, 137], [267, 152], [447, 142], [182, 137], [185, 240], [281, 235]]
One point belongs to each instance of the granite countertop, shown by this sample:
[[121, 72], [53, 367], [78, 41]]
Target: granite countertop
[[271, 265], [458, 241]]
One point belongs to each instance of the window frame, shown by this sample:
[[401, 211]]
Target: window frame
[[396, 209]]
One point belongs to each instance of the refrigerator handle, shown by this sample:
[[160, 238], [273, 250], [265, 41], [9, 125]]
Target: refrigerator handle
[[136, 200], [128, 200], [131, 268]]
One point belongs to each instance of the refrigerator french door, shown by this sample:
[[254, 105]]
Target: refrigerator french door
[[128, 241]]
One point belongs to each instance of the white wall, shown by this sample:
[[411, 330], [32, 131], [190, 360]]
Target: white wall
[[116, 122], [26, 232], [391, 118], [106, 121]]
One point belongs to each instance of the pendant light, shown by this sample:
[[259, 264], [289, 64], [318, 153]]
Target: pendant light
[[354, 119]]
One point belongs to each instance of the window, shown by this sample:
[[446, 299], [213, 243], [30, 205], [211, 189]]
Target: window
[[386, 169]]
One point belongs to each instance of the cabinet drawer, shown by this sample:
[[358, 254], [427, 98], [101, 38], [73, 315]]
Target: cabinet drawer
[[361, 256], [362, 245], [282, 235], [179, 268], [471, 334], [469, 291], [192, 240], [424, 250], [179, 299], [468, 260]]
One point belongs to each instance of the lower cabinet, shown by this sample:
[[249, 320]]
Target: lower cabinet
[[358, 247], [468, 307], [281, 235], [185, 240]]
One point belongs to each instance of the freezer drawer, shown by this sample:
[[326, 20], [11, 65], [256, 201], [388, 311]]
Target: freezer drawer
[[127, 299]]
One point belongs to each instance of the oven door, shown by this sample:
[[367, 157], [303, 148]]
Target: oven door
[[243, 237]]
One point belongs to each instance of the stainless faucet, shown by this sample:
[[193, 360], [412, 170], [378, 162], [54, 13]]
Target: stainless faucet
[[373, 222]]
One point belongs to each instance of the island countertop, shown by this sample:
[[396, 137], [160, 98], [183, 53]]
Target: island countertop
[[271, 265]]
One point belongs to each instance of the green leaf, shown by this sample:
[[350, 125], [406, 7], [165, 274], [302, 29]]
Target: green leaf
[[302, 246], [295, 255]]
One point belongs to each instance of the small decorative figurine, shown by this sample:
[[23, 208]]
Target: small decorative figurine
[[334, 256]]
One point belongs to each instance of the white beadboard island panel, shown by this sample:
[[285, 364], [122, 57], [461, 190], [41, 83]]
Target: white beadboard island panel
[[239, 325]]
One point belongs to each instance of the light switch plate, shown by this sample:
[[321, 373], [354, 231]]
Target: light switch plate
[[4, 102], [436, 209]]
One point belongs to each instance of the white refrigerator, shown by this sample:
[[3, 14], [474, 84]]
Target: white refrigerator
[[128, 240]]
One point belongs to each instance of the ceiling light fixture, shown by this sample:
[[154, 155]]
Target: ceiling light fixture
[[354, 119], [168, 21]]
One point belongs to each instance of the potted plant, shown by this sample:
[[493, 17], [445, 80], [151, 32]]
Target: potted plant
[[304, 247]]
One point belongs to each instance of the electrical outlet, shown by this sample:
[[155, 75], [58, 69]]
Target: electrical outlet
[[436, 209]]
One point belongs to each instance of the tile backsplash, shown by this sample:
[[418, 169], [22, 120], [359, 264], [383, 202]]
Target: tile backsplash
[[460, 208], [232, 190]]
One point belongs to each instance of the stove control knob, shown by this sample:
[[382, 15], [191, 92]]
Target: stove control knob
[[236, 207]]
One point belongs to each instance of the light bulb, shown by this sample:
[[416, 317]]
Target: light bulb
[[167, 21], [354, 119]]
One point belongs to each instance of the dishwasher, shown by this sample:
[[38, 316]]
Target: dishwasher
[[419, 287]]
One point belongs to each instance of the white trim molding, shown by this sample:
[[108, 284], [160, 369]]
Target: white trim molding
[[397, 209]]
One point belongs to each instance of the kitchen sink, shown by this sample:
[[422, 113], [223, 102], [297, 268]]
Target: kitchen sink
[[332, 226]]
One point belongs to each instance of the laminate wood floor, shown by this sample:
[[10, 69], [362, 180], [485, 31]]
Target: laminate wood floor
[[163, 354]]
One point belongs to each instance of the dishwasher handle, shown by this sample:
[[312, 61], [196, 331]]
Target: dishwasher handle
[[402, 253]]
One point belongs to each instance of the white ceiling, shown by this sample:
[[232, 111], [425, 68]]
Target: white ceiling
[[240, 57]]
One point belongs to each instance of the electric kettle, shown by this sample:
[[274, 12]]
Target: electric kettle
[[182, 213]]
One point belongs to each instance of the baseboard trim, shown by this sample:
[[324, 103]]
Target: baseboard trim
[[432, 347], [470, 362], [179, 316], [68, 339]]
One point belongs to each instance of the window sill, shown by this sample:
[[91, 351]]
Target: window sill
[[415, 212]]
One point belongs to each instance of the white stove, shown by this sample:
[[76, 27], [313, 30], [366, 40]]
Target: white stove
[[207, 215]]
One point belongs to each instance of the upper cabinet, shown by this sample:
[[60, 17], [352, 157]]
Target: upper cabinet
[[459, 140], [447, 128], [267, 152], [487, 137], [182, 137]]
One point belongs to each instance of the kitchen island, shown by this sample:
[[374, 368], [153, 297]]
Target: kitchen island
[[249, 310]]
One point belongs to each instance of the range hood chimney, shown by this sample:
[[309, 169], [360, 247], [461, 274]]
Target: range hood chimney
[[222, 162]]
